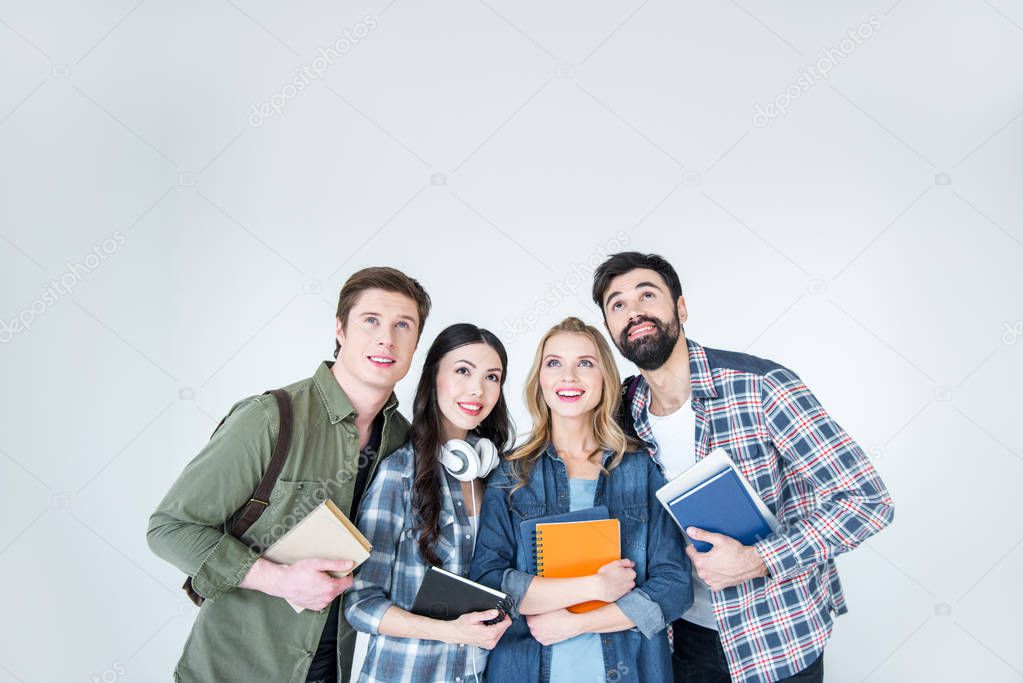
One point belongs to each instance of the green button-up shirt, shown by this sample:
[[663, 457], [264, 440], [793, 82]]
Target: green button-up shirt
[[246, 635]]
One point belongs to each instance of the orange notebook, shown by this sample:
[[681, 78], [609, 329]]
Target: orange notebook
[[570, 549]]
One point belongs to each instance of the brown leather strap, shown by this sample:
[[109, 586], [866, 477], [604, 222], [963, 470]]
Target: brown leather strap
[[260, 499], [261, 496]]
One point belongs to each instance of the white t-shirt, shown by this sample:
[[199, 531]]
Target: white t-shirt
[[675, 435]]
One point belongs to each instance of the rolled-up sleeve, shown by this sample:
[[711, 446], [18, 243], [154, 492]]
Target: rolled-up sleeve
[[515, 583], [381, 520], [188, 528], [643, 611], [493, 563]]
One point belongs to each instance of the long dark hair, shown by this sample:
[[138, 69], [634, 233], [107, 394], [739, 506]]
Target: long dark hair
[[426, 430]]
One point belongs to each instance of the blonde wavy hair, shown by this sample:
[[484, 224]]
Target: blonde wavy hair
[[608, 433]]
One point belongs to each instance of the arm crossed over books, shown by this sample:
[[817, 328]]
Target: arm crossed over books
[[393, 574], [558, 605]]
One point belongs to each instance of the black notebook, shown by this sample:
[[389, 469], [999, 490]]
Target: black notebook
[[447, 596]]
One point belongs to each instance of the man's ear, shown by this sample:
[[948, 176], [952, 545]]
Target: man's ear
[[683, 314], [339, 331]]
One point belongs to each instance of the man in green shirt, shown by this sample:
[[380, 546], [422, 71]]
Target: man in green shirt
[[345, 419]]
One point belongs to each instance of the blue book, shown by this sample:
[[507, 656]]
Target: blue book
[[720, 504], [527, 528]]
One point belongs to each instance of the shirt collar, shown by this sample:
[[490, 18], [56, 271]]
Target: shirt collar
[[335, 400], [701, 385], [701, 381], [700, 377], [552, 453]]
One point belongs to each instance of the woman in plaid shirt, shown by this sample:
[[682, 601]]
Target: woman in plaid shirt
[[417, 515]]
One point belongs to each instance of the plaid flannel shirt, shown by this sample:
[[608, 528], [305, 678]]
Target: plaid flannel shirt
[[395, 570], [825, 492]]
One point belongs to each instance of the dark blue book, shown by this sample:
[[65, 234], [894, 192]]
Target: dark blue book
[[722, 505], [527, 528]]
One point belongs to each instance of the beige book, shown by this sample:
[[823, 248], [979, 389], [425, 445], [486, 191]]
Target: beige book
[[324, 533]]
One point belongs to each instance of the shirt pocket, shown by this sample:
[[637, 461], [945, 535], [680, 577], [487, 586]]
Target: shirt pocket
[[634, 520], [523, 510], [290, 501], [444, 548]]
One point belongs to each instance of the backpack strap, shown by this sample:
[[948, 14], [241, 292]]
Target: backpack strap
[[261, 496], [260, 499], [625, 418]]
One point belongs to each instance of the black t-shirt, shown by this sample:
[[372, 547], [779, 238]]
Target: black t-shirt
[[323, 666]]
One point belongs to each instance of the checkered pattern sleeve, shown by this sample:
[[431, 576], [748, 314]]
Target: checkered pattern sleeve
[[849, 501], [381, 520]]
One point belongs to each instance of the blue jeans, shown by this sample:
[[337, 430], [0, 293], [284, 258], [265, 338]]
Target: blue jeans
[[699, 658]]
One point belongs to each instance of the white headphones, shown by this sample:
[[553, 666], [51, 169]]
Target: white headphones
[[466, 462]]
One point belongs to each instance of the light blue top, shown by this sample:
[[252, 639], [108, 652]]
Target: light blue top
[[579, 658]]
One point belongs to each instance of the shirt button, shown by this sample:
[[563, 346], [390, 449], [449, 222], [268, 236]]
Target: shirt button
[[458, 502], [468, 536]]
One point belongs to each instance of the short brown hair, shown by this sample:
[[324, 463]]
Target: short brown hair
[[627, 261], [387, 279]]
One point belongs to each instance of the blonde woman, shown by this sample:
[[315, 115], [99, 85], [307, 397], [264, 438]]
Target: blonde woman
[[577, 457]]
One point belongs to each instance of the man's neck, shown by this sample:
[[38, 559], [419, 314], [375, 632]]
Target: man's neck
[[365, 399], [670, 385]]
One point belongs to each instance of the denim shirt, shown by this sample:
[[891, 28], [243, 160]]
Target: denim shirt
[[503, 560]]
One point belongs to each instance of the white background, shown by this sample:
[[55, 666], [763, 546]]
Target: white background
[[870, 239]]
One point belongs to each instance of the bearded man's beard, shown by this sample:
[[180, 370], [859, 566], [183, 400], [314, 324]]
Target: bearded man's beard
[[650, 351]]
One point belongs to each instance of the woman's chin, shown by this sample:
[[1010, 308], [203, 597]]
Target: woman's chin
[[466, 422], [568, 410]]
